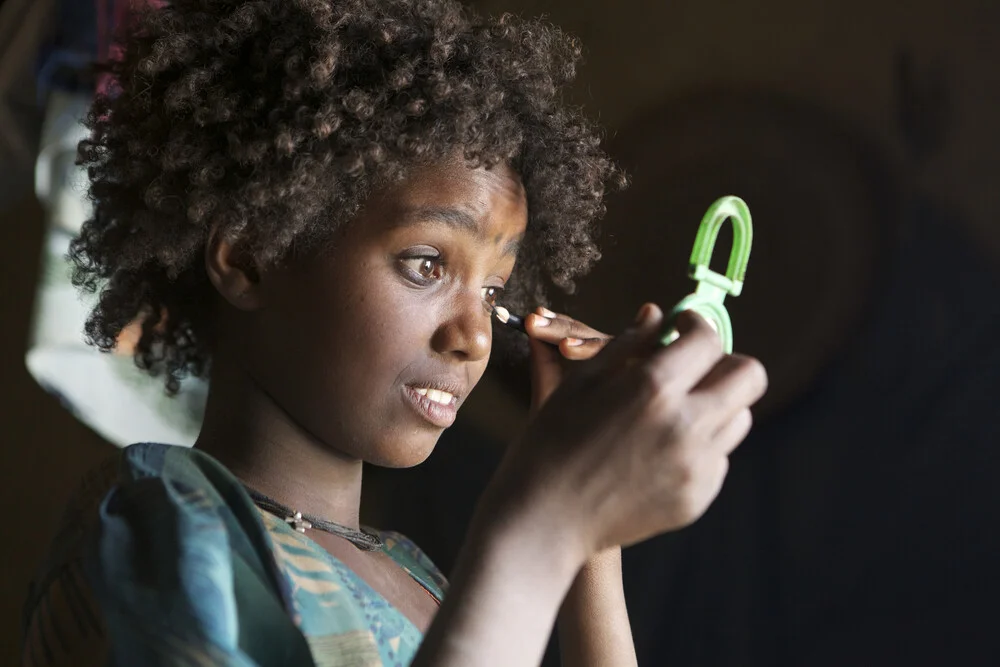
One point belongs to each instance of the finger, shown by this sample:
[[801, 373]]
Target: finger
[[636, 342], [733, 385], [688, 359], [732, 433], [545, 369], [576, 349], [554, 328], [545, 312]]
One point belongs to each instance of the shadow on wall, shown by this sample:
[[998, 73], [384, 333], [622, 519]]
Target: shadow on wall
[[823, 200]]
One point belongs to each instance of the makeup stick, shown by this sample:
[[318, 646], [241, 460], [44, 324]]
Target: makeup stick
[[504, 316]]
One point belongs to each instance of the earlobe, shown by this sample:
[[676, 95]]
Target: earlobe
[[235, 279]]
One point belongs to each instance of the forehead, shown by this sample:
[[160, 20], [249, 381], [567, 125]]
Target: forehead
[[488, 202]]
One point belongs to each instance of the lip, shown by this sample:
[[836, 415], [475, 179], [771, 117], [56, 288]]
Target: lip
[[439, 415]]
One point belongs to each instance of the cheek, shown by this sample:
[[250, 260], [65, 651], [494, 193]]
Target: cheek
[[364, 334], [377, 317], [340, 308]]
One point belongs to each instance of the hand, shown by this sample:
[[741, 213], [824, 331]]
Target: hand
[[554, 337], [593, 619], [635, 441]]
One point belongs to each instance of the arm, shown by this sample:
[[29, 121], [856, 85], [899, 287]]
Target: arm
[[593, 622], [511, 576]]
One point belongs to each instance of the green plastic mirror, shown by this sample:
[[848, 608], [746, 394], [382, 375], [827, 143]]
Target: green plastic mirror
[[708, 298]]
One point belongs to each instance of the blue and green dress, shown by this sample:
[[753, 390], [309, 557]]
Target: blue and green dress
[[163, 559]]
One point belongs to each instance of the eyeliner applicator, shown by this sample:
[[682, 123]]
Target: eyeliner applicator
[[504, 316], [507, 318]]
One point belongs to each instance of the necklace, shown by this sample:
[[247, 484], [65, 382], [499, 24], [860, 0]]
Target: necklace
[[302, 522]]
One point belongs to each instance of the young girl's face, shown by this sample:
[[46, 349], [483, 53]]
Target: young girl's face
[[373, 346]]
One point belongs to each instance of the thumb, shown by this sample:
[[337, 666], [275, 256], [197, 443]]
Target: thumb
[[637, 341], [546, 371]]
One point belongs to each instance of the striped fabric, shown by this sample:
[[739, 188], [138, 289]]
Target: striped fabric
[[162, 559]]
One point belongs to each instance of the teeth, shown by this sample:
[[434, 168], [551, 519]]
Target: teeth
[[436, 395], [442, 397]]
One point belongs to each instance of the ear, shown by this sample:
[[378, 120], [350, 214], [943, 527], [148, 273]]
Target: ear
[[233, 274]]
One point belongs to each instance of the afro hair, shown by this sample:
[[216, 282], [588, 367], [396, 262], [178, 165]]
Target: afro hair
[[272, 121]]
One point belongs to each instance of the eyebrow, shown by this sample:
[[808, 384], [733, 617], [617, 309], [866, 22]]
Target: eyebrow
[[456, 219]]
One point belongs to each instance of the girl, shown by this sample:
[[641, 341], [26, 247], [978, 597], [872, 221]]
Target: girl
[[316, 203]]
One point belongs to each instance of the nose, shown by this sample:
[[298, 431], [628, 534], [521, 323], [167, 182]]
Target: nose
[[465, 333]]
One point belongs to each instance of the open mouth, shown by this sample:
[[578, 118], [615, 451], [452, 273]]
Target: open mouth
[[436, 406], [437, 395]]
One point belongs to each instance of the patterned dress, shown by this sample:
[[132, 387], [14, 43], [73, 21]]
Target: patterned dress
[[163, 559]]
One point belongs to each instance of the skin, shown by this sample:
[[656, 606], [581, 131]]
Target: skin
[[310, 376], [665, 420], [321, 353], [593, 620]]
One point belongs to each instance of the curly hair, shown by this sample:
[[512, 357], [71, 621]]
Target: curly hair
[[271, 121]]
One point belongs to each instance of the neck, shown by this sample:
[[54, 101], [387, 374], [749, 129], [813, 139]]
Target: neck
[[247, 431]]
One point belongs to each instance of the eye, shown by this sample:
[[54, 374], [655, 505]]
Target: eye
[[492, 294], [424, 269]]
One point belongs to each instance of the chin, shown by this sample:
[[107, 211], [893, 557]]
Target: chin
[[403, 451]]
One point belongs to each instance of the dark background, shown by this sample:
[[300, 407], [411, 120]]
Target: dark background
[[859, 522]]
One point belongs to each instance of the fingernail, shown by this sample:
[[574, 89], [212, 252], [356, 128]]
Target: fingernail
[[541, 321], [643, 314], [573, 342], [548, 313]]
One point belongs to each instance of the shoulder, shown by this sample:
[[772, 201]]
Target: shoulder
[[63, 623], [164, 537]]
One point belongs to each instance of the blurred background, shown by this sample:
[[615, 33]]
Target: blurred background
[[860, 523]]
